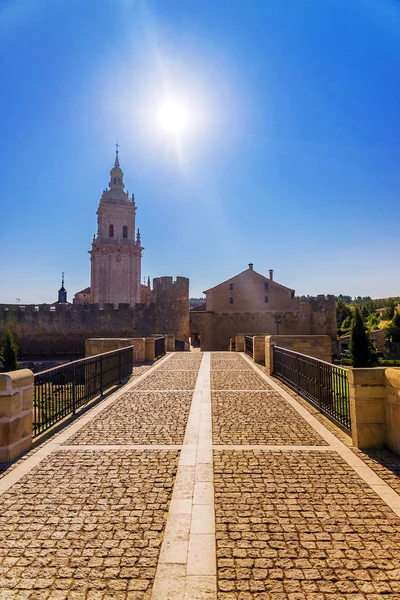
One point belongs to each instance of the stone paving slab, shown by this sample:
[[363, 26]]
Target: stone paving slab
[[258, 418], [230, 365], [301, 526], [139, 418], [86, 525], [169, 380], [236, 380]]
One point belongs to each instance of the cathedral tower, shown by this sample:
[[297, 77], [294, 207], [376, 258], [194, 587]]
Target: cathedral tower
[[116, 253]]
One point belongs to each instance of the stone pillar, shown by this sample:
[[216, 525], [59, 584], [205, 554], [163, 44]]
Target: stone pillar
[[259, 349], [268, 353], [392, 408], [95, 346], [240, 343], [367, 407], [16, 408], [169, 343], [150, 348], [139, 350]]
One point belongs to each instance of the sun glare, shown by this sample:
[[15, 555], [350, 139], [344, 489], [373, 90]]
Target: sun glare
[[173, 117]]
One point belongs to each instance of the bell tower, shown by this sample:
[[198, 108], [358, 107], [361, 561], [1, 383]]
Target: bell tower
[[116, 253]]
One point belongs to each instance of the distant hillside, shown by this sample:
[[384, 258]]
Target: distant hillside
[[194, 302]]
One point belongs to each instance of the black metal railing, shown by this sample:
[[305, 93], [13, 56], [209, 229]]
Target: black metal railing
[[62, 391], [159, 347], [322, 384], [233, 344], [179, 346], [249, 345]]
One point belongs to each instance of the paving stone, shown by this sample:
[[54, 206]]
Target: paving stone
[[86, 522], [169, 380], [139, 418], [236, 380], [301, 523], [258, 418]]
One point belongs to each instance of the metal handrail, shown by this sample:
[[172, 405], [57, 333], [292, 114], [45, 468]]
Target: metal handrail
[[322, 384], [61, 391]]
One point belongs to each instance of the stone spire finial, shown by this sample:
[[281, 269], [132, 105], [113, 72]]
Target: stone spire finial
[[148, 281], [116, 173], [138, 240]]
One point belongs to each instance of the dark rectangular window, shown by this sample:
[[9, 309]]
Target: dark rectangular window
[[266, 285], [125, 232], [111, 230], [231, 286], [266, 299], [230, 299]]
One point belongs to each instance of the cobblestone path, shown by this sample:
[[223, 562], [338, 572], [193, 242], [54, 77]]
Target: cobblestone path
[[202, 479]]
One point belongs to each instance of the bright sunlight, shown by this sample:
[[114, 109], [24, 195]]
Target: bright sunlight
[[173, 116]]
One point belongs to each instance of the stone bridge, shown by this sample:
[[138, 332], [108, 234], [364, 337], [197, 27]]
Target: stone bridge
[[201, 479]]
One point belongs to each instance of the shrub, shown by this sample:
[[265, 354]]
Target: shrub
[[9, 352], [362, 351]]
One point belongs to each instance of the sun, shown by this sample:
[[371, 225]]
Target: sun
[[173, 116]]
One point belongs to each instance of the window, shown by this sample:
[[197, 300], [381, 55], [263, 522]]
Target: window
[[266, 285], [111, 230], [230, 299], [266, 299], [231, 286], [115, 180], [125, 232]]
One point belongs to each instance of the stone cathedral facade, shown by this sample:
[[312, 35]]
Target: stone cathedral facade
[[116, 253]]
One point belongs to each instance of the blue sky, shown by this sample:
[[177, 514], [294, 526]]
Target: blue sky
[[290, 160]]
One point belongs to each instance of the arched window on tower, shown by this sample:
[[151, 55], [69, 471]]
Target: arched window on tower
[[111, 230], [115, 180], [125, 232]]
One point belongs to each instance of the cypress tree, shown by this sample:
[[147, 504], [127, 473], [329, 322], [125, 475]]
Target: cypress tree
[[9, 353], [362, 351]]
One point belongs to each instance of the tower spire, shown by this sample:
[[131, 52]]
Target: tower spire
[[116, 173], [116, 162]]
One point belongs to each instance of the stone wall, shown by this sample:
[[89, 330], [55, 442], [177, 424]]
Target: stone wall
[[312, 317], [46, 330], [375, 407]]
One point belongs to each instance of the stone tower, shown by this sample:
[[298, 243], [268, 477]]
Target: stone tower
[[116, 253]]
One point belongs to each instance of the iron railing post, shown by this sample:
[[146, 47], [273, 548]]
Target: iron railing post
[[73, 389], [120, 366], [101, 375]]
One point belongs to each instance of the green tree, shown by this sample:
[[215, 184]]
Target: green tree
[[343, 311], [372, 321], [9, 352], [362, 351], [346, 326], [393, 328], [390, 308]]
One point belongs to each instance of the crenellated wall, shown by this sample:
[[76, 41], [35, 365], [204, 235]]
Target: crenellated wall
[[310, 317], [47, 330]]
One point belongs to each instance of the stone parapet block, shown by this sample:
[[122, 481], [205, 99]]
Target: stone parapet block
[[259, 349], [367, 407], [139, 349], [240, 341], [16, 413], [392, 408]]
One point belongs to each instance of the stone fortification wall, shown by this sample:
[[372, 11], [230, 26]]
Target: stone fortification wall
[[171, 306], [312, 317], [46, 330]]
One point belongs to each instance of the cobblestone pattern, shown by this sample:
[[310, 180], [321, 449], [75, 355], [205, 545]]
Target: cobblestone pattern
[[225, 356], [383, 462], [86, 525], [184, 365], [230, 365], [259, 418], [139, 370], [169, 380], [301, 526], [236, 380], [139, 418]]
